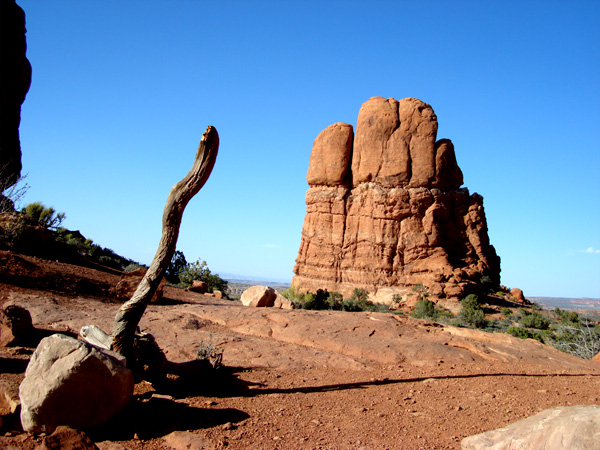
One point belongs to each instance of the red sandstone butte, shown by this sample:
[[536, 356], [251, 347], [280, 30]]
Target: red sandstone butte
[[385, 209]]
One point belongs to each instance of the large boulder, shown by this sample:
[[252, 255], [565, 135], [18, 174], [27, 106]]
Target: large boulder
[[385, 209], [563, 428], [264, 296], [69, 382]]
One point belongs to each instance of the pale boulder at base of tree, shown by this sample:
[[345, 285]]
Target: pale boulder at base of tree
[[69, 382]]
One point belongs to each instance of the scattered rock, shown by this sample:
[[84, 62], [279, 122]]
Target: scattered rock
[[385, 209], [282, 302], [69, 382], [109, 445], [563, 428], [217, 294], [184, 440], [198, 286], [65, 438], [129, 282], [9, 398], [517, 294], [15, 325], [264, 296]]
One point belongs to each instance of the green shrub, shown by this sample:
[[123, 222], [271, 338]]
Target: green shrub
[[535, 320], [360, 295], [47, 217], [567, 316], [199, 271], [506, 312], [471, 312], [133, 266], [524, 333], [315, 302], [424, 309], [334, 301]]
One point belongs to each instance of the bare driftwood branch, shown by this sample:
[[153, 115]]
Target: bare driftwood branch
[[129, 315]]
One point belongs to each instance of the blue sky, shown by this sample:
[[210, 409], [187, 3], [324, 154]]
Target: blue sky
[[123, 90]]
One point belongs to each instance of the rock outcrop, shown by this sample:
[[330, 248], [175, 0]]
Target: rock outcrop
[[562, 428], [15, 79], [386, 211]]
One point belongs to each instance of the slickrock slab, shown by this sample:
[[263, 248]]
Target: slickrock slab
[[563, 428]]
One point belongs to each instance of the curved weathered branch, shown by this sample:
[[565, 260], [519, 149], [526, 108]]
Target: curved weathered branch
[[129, 315]]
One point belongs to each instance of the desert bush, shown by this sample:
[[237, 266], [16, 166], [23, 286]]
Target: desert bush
[[199, 271], [46, 216], [334, 301], [487, 285], [424, 309], [359, 295], [534, 320], [582, 339], [11, 194], [567, 316], [133, 266], [524, 333], [471, 312], [207, 351], [316, 301], [506, 312]]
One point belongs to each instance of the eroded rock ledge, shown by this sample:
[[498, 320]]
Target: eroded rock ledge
[[386, 211]]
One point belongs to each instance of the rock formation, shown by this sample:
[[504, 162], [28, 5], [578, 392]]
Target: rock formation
[[15, 78], [386, 211]]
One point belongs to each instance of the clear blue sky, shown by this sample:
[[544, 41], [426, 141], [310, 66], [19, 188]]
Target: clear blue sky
[[123, 90]]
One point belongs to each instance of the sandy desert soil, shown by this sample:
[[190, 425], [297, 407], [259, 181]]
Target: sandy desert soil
[[296, 379]]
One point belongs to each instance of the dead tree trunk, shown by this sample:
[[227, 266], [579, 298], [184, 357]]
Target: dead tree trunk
[[129, 315]]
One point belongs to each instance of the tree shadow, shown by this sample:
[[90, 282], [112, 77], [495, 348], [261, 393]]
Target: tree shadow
[[387, 381], [198, 378], [157, 417]]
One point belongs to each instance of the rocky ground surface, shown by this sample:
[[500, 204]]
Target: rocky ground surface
[[295, 379]]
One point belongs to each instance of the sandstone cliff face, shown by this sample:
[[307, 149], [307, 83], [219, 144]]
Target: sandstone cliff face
[[386, 211], [15, 78]]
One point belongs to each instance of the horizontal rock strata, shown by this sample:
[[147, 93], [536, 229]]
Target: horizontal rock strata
[[385, 209]]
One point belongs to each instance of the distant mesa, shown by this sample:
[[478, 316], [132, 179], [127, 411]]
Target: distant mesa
[[385, 210]]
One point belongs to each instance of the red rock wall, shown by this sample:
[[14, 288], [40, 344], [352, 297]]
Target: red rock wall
[[15, 78], [385, 209]]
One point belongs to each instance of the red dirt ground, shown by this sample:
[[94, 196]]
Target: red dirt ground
[[296, 379]]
